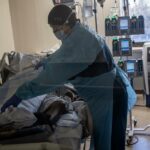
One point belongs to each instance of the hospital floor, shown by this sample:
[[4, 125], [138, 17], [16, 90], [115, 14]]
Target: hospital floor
[[141, 139]]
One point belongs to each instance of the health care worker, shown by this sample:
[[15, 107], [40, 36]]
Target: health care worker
[[85, 61]]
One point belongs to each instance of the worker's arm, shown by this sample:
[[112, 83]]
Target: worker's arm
[[73, 57], [53, 76]]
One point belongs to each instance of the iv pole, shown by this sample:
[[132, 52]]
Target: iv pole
[[95, 13], [126, 7]]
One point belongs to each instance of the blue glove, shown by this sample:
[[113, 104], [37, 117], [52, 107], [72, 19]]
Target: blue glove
[[13, 101], [37, 66]]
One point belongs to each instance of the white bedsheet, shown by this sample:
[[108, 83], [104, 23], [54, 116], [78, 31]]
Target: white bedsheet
[[11, 85], [18, 117], [32, 104]]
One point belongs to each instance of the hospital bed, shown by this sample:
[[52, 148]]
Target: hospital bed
[[28, 135], [18, 71], [36, 134], [15, 62], [31, 138], [5, 69], [70, 138], [67, 136], [34, 146]]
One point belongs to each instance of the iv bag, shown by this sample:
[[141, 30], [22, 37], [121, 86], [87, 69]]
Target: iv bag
[[87, 8]]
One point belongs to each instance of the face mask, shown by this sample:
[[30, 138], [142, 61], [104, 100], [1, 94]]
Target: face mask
[[60, 35]]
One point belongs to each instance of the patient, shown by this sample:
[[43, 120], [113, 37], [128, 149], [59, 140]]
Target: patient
[[65, 113]]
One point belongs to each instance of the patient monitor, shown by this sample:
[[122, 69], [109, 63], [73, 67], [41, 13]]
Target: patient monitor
[[131, 68], [124, 25], [125, 46]]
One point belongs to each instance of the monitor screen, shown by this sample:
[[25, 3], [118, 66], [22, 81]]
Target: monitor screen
[[130, 67], [125, 46], [124, 23]]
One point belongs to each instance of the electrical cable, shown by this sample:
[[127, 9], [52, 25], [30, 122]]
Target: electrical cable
[[131, 142], [124, 6], [95, 13], [135, 138], [103, 14]]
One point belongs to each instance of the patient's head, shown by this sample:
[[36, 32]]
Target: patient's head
[[57, 108], [67, 90]]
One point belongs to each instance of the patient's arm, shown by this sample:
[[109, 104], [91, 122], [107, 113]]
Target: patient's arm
[[13, 101]]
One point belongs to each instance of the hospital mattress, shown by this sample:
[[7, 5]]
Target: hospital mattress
[[26, 135]]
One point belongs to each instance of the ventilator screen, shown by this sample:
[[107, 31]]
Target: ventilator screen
[[130, 67], [125, 45], [124, 24]]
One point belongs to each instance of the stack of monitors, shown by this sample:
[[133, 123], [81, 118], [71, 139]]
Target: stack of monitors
[[124, 26]]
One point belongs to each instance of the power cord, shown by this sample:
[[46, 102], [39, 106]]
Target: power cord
[[132, 140]]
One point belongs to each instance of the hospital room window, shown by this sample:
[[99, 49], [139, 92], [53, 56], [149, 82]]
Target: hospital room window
[[138, 8]]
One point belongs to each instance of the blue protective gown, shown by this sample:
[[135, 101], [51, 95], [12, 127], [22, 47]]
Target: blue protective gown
[[76, 53]]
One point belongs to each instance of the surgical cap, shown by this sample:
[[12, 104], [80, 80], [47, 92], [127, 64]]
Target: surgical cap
[[59, 14]]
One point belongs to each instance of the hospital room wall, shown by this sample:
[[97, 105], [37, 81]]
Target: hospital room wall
[[29, 24], [6, 33], [31, 30]]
